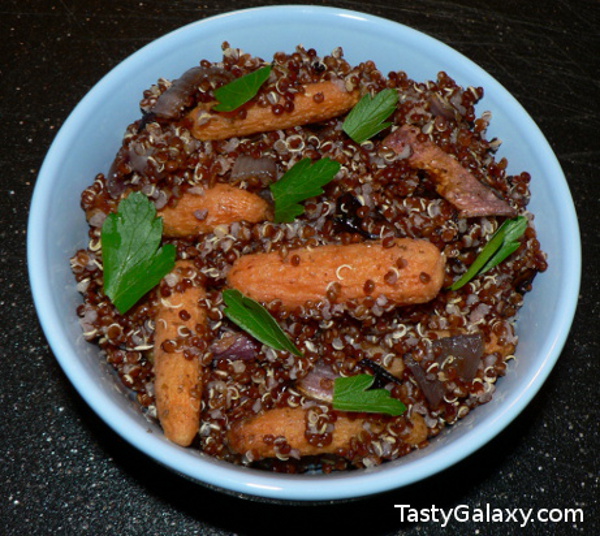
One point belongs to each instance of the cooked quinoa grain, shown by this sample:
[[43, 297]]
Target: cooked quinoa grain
[[441, 358]]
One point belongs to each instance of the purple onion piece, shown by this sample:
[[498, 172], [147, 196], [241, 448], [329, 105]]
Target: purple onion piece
[[453, 182], [467, 351], [172, 103], [441, 108], [318, 383], [96, 217], [138, 156], [234, 346], [432, 388], [246, 167], [114, 187]]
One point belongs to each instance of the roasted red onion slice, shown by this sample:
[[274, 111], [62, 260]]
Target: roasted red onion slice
[[463, 352], [453, 182], [235, 346], [466, 352], [441, 107], [432, 388], [247, 167], [174, 100], [115, 187], [139, 157], [318, 383]]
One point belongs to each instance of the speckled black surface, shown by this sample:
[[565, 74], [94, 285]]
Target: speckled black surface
[[63, 471]]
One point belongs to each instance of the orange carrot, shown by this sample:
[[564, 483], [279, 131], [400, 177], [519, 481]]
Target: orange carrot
[[221, 204], [259, 434], [319, 101], [178, 380], [409, 272], [290, 424]]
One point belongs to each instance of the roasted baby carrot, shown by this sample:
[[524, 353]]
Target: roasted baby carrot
[[178, 380], [408, 272], [221, 204], [259, 434], [253, 434], [319, 101]]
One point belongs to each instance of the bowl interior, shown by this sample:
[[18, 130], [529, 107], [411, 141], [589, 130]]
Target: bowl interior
[[89, 139]]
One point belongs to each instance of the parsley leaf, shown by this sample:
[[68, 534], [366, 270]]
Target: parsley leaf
[[302, 181], [133, 262], [367, 118], [353, 394], [503, 243], [252, 317], [231, 96]]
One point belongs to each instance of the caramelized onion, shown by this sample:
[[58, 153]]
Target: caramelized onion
[[466, 351], [432, 388], [174, 100], [235, 346], [114, 187], [440, 107], [247, 167], [318, 383]]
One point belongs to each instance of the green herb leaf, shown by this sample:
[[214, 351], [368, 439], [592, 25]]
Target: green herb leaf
[[302, 181], [231, 96], [353, 394], [368, 117], [252, 317], [133, 262], [503, 243]]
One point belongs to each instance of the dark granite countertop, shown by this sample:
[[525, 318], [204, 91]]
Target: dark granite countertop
[[63, 471]]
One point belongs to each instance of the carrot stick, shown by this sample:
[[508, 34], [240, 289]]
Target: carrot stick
[[319, 102], [289, 423], [453, 182], [221, 204], [178, 380], [259, 434], [409, 272]]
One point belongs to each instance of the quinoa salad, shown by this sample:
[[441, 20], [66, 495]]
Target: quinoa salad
[[298, 264]]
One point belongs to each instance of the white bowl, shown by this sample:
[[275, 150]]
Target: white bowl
[[88, 142]]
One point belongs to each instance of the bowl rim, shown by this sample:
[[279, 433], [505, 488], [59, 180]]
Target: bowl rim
[[252, 482]]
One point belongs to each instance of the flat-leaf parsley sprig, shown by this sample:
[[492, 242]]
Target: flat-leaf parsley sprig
[[238, 92], [353, 393], [503, 243], [368, 117], [133, 261], [302, 181], [253, 318]]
